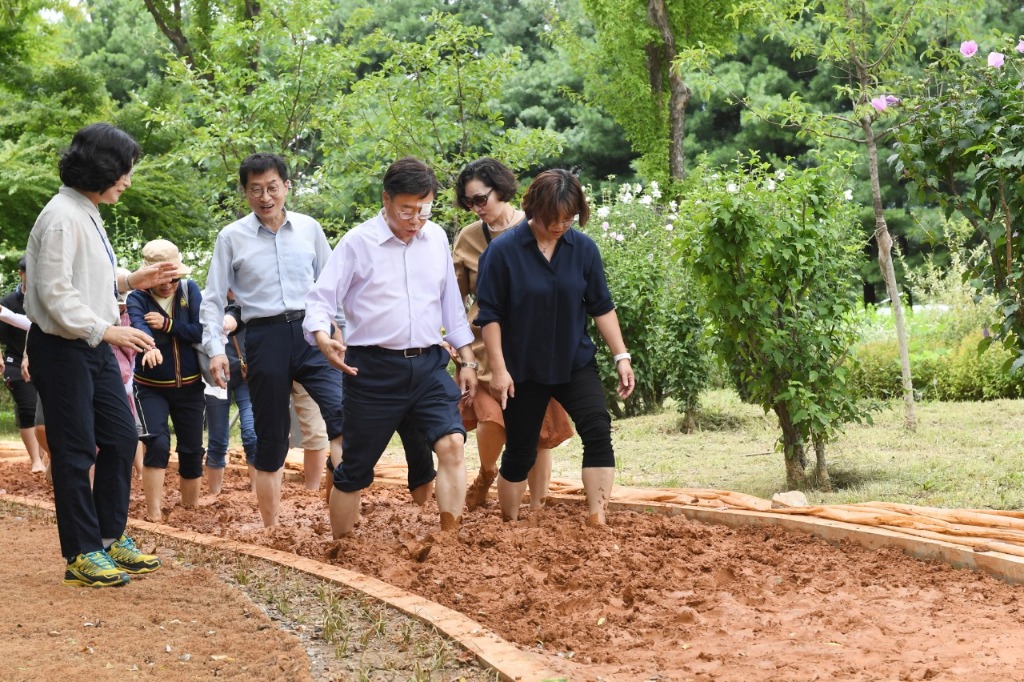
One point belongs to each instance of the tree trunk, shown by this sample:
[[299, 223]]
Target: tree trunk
[[793, 449], [679, 93], [688, 423], [884, 241], [821, 478]]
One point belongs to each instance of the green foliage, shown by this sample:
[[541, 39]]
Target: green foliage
[[944, 329], [958, 373], [264, 86], [962, 149], [116, 42], [433, 99], [625, 70], [774, 254], [654, 301]]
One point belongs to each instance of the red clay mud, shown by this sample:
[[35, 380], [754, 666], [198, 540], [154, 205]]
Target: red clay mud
[[649, 597]]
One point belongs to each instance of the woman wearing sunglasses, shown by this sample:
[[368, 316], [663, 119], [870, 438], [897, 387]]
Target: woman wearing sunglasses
[[168, 378], [486, 187]]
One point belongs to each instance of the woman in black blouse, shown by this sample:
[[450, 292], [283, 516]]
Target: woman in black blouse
[[537, 287]]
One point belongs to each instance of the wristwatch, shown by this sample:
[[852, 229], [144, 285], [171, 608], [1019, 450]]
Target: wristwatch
[[469, 365]]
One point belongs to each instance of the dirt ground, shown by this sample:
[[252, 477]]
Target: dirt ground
[[650, 597], [177, 624]]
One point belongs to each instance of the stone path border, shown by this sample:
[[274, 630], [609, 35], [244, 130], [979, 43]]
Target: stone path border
[[510, 662]]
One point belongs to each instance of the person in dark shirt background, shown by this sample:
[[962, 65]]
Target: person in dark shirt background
[[24, 392]]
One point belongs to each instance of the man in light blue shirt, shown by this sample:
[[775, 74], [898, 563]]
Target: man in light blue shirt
[[270, 260], [394, 278]]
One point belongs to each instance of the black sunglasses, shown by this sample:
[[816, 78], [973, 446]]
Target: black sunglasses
[[477, 200]]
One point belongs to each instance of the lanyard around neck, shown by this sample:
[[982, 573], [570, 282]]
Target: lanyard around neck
[[109, 250]]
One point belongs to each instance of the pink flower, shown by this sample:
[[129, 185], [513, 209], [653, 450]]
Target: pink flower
[[1020, 46], [892, 100], [968, 48], [879, 103], [996, 59]]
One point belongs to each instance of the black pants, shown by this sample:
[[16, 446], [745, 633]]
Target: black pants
[[24, 394], [90, 423], [582, 397], [186, 406]]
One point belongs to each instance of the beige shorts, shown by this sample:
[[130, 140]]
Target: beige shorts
[[311, 423]]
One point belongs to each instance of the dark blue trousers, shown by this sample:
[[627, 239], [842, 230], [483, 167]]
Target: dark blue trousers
[[186, 406], [277, 354], [90, 423], [391, 393]]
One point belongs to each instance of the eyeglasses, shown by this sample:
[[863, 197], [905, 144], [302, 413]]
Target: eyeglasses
[[424, 212], [477, 200], [273, 190]]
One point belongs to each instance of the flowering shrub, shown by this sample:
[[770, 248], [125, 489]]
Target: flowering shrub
[[653, 299], [776, 255], [962, 147]]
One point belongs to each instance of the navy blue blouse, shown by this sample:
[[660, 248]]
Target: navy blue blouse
[[542, 306]]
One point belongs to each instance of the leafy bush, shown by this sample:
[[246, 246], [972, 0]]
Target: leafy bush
[[654, 300], [962, 149], [774, 254], [959, 373]]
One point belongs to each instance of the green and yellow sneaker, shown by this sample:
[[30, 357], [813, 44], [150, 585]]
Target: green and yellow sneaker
[[94, 569], [130, 560]]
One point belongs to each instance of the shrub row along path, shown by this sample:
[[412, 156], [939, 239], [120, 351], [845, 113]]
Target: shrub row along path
[[650, 597]]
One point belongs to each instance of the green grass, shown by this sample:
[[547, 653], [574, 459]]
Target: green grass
[[962, 455]]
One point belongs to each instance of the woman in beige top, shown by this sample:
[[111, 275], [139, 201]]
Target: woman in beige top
[[485, 187]]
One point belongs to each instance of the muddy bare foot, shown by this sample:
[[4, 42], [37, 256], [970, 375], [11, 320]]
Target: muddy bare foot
[[476, 494], [450, 522]]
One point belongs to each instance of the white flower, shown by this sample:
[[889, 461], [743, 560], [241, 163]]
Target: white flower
[[731, 187], [613, 234], [780, 175], [669, 227], [646, 199], [632, 226], [650, 258], [655, 190], [605, 226], [715, 176], [673, 205], [603, 212], [848, 195], [626, 198], [620, 237], [770, 185], [638, 188]]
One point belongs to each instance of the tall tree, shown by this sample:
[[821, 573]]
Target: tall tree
[[632, 70], [865, 43]]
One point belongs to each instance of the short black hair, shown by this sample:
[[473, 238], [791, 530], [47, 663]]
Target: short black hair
[[22, 263], [492, 173], [259, 163], [99, 155], [410, 176], [556, 195]]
